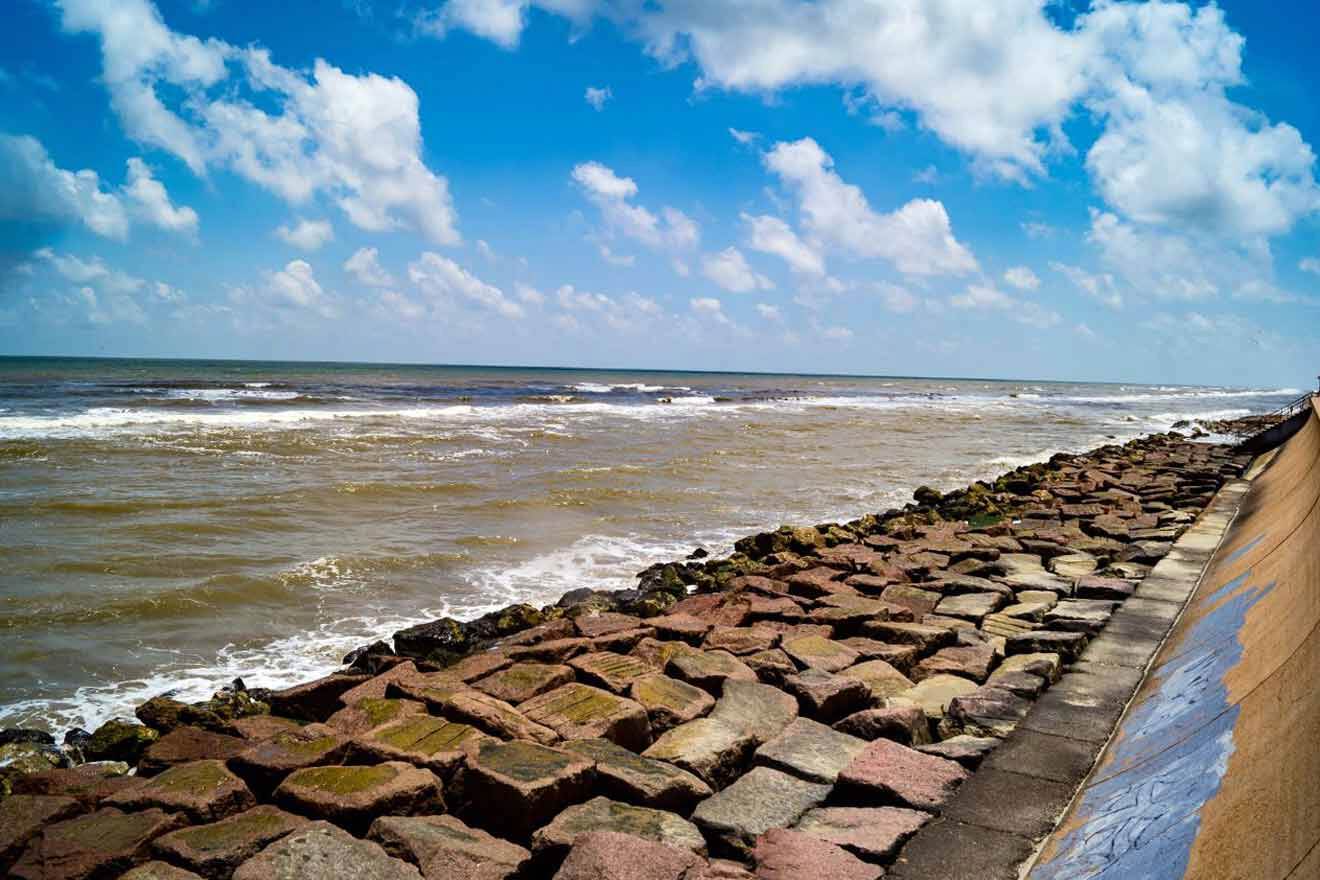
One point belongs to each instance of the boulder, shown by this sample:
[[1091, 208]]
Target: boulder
[[758, 801], [23, 815], [101, 844], [668, 701], [873, 834], [215, 850], [610, 855], [889, 771], [352, 796], [710, 749], [204, 790], [634, 779], [325, 852], [118, 740], [447, 849], [810, 750], [783, 854], [579, 711], [438, 744], [88, 784], [516, 787], [552, 842], [185, 744], [522, 681]]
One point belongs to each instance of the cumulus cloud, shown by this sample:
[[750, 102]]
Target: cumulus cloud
[[309, 235], [708, 308], [745, 138], [629, 313], [150, 202], [1022, 278], [93, 271], [612, 194], [365, 266], [296, 285], [1100, 287], [730, 270], [897, 299], [986, 298], [769, 312], [447, 281], [917, 238], [597, 97], [771, 235], [353, 139]]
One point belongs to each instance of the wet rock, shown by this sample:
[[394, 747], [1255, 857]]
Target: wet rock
[[609, 855], [885, 769], [205, 790], [968, 751], [810, 750], [325, 852], [758, 801], [880, 678], [447, 849], [974, 662], [634, 779], [186, 744], [669, 702], [314, 700], [23, 815], [522, 681], [217, 849], [933, 694], [352, 796], [825, 697], [552, 842], [441, 640], [708, 670], [873, 834], [437, 744], [903, 724], [756, 709], [710, 749], [613, 672], [164, 714], [100, 844], [25, 735], [372, 712], [118, 740], [579, 711], [782, 854], [531, 783]]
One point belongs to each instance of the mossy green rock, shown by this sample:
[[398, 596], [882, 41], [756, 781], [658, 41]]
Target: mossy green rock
[[352, 796], [528, 782], [118, 740], [205, 790], [101, 844], [215, 850], [579, 711], [436, 743], [372, 712]]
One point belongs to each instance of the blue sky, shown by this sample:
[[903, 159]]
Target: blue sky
[[1120, 191]]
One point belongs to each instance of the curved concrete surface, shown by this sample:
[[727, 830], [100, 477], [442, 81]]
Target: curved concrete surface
[[1215, 769]]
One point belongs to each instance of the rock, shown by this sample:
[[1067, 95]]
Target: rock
[[479, 665], [810, 750], [215, 850], [1073, 565], [205, 790], [1068, 645], [710, 749], [669, 702], [554, 651], [762, 799], [531, 783], [720, 869], [579, 711], [23, 815], [375, 688], [974, 662], [933, 694], [315, 700], [903, 724], [613, 672], [495, 717], [552, 842], [683, 627], [1023, 684], [1080, 615], [901, 657], [372, 712], [438, 744], [827, 698], [440, 640], [756, 709], [88, 784], [592, 626], [968, 751], [1047, 666], [260, 727], [970, 606], [987, 711], [353, 796], [322, 851], [522, 681], [880, 678], [609, 855], [708, 670], [782, 608], [772, 666], [1038, 597], [887, 770], [658, 653], [633, 779], [185, 744], [814, 652], [783, 854], [119, 741], [1093, 587], [163, 714], [816, 582], [873, 834], [444, 847], [100, 844], [159, 871], [740, 640], [1003, 626], [621, 642], [916, 600], [927, 638]]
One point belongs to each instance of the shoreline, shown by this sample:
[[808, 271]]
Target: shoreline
[[933, 628]]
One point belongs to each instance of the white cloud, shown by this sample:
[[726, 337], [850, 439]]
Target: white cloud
[[629, 313], [1163, 265], [444, 279], [729, 269], [1101, 287], [528, 294], [597, 97], [1310, 264], [308, 235], [930, 175], [395, 305], [500, 21], [1084, 331], [770, 235], [1022, 278], [744, 137], [296, 285], [354, 139], [917, 238], [1037, 230], [365, 266], [32, 187], [150, 201], [624, 261], [985, 297], [709, 308], [769, 312], [897, 299], [93, 271], [612, 194], [486, 251]]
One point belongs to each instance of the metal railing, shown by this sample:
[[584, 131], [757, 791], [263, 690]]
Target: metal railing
[[1287, 412]]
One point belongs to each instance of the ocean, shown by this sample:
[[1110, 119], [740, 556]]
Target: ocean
[[177, 524]]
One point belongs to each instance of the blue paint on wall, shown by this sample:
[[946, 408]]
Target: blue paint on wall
[[1140, 817]]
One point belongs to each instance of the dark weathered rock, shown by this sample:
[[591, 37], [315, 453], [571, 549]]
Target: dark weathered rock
[[903, 724], [215, 850], [205, 790], [325, 852], [440, 640], [186, 744], [23, 815], [531, 783], [874, 834], [988, 711], [610, 855], [631, 778], [100, 844], [886, 769], [973, 662], [966, 750], [1068, 645], [522, 681], [758, 801], [447, 849], [552, 842], [88, 784], [827, 698], [118, 740], [315, 700], [353, 796]]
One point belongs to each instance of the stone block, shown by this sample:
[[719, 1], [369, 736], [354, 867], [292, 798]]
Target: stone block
[[605, 623], [325, 852], [315, 700], [551, 843], [352, 796], [741, 640], [372, 712], [887, 770], [517, 787], [772, 666], [682, 627], [668, 701], [903, 724], [631, 778], [973, 662], [759, 710], [186, 744], [495, 717], [710, 749], [613, 672], [810, 750], [827, 698], [967, 750], [204, 790], [579, 711], [814, 652], [610, 855], [873, 834], [880, 678], [447, 849], [438, 744], [101, 844], [784, 854], [927, 638], [761, 800], [217, 849], [89, 784], [519, 682], [915, 599], [970, 606], [708, 670], [1068, 645], [263, 765], [23, 815]]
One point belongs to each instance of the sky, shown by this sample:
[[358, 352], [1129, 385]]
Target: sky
[[1013, 188]]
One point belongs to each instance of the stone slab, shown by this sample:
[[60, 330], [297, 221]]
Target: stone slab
[[613, 672], [602, 814], [874, 834], [530, 782], [438, 744], [710, 749], [634, 779], [521, 681], [217, 849], [100, 844], [446, 848], [579, 711], [810, 750], [352, 796], [325, 852], [610, 855], [204, 790], [757, 802], [889, 770], [669, 702], [784, 854]]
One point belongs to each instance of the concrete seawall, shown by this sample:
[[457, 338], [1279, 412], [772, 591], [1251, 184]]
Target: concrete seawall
[[1213, 771]]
